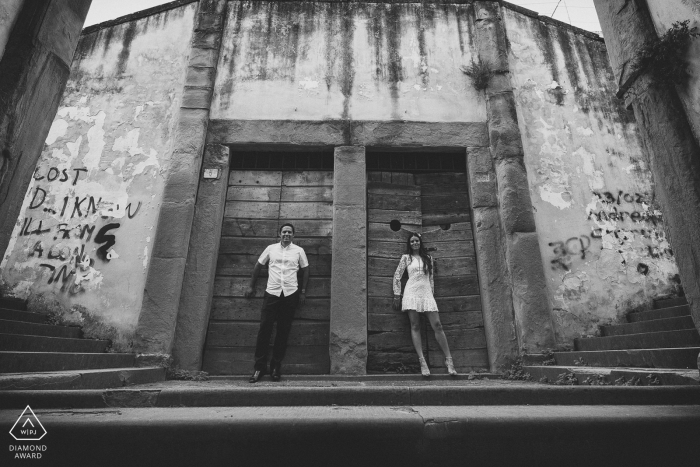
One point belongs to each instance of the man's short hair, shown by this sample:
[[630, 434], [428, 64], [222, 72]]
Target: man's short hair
[[286, 225]]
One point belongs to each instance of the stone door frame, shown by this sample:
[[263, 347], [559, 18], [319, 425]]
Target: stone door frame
[[349, 141]]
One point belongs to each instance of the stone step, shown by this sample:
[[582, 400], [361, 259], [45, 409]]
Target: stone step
[[596, 376], [670, 302], [636, 358], [24, 343], [13, 303], [654, 325], [36, 329], [23, 362], [647, 340], [209, 394], [380, 435], [81, 379], [26, 316], [683, 310]]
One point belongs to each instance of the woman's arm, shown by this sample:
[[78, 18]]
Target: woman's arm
[[432, 274], [397, 283]]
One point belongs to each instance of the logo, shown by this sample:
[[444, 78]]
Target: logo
[[28, 427]]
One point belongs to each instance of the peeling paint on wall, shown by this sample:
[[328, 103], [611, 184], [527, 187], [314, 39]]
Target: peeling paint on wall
[[344, 60], [601, 236], [83, 235]]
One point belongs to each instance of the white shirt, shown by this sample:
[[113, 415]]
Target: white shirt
[[283, 267]]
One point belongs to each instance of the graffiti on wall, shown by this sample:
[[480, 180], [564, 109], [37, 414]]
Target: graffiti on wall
[[62, 230], [621, 221]]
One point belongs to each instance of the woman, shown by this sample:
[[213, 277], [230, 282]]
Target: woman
[[418, 298]]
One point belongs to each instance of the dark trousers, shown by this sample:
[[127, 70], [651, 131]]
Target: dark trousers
[[275, 309]]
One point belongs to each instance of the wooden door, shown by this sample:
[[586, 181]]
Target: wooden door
[[257, 204], [437, 205]]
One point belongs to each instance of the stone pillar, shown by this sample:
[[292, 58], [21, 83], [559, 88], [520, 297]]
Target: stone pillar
[[348, 327], [200, 269], [531, 304], [155, 331], [490, 245], [39, 39], [669, 142]]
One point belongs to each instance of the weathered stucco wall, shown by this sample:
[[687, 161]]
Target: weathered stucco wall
[[600, 233], [327, 60], [664, 13], [84, 234]]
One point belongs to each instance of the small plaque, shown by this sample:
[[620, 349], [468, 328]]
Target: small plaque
[[211, 173]]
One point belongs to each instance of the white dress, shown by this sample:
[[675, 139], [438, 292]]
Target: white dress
[[418, 294]]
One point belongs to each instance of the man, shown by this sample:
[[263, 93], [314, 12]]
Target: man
[[281, 299]]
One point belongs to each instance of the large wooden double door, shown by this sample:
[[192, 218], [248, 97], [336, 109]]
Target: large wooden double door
[[437, 206], [257, 204]]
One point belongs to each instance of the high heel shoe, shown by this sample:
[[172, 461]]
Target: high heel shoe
[[424, 370], [450, 366]]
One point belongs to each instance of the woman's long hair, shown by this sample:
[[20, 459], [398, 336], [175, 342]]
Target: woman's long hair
[[422, 252]]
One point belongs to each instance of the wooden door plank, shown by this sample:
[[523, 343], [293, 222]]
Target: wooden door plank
[[402, 178], [238, 334], [452, 286], [393, 202], [254, 193], [445, 304], [255, 178], [383, 231], [441, 219], [391, 342], [465, 360], [405, 217], [456, 203], [227, 286], [255, 246], [443, 178], [391, 250], [304, 193], [386, 177], [455, 266], [248, 309], [308, 178], [393, 322], [374, 176], [381, 267], [317, 210], [450, 249], [390, 189], [239, 227], [436, 234], [442, 189], [252, 209], [230, 264], [460, 338], [239, 360], [392, 362]]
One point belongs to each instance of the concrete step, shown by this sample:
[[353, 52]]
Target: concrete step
[[168, 394], [639, 358], [24, 362], [670, 302], [24, 343], [672, 312], [35, 329], [13, 303], [81, 379], [26, 316], [596, 376], [380, 435], [655, 325], [647, 340]]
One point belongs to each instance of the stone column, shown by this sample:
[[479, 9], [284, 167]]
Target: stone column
[[39, 40], [348, 327], [531, 304], [490, 244], [669, 142], [155, 331], [203, 253]]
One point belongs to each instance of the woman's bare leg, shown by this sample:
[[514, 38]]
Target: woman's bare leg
[[434, 319], [415, 332]]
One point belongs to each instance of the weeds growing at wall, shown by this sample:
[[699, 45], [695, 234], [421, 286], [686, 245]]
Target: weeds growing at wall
[[480, 72], [664, 57], [517, 372]]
